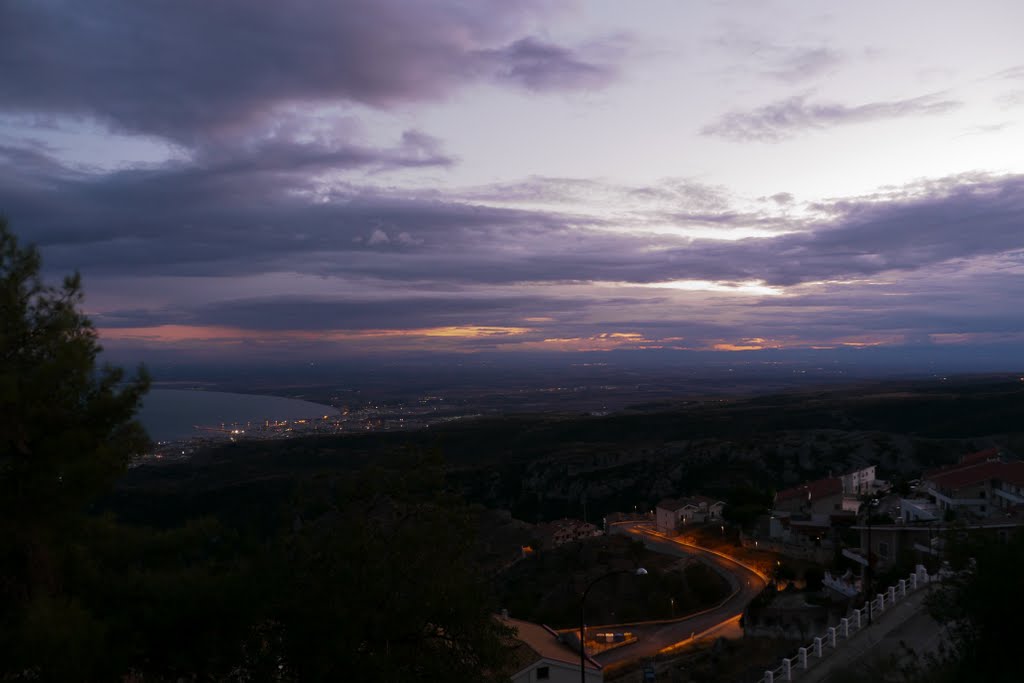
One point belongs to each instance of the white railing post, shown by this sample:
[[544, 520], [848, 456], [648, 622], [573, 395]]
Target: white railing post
[[881, 603], [913, 581], [844, 627], [856, 618], [832, 636], [802, 654], [817, 647], [892, 595], [769, 677], [903, 588], [787, 670]]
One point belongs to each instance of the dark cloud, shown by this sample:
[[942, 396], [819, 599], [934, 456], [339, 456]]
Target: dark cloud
[[949, 300], [192, 70], [281, 155], [236, 217], [303, 313], [538, 65], [787, 118]]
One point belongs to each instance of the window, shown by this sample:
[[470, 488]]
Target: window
[[883, 549], [543, 673]]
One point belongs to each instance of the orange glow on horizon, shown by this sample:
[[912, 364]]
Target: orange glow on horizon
[[475, 337], [175, 334]]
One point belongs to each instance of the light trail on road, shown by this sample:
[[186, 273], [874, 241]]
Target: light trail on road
[[746, 583]]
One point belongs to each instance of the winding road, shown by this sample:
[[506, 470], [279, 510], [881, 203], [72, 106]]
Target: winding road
[[652, 638]]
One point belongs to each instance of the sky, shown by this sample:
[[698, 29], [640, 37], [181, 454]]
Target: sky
[[346, 178]]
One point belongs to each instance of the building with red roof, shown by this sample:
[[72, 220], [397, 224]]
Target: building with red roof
[[980, 485], [818, 499]]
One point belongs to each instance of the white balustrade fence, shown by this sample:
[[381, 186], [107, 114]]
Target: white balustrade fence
[[858, 620]]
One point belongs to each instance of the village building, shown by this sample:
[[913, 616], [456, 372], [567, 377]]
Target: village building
[[859, 482], [672, 514], [983, 494], [539, 655], [981, 485], [816, 500]]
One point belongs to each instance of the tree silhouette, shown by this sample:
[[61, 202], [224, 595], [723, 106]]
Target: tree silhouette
[[372, 577], [66, 432]]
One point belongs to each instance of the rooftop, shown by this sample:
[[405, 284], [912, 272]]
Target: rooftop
[[980, 456], [822, 488], [540, 642], [966, 475], [673, 505]]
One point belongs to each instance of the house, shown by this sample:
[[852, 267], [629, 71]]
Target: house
[[918, 510], [886, 543], [671, 513], [1008, 486], [539, 655], [859, 481], [978, 488], [713, 508], [817, 499], [668, 515]]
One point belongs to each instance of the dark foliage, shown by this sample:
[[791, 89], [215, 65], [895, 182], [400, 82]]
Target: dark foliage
[[366, 574], [981, 604]]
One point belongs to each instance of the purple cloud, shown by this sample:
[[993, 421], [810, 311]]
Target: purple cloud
[[452, 260], [191, 70], [537, 65], [227, 215], [790, 117]]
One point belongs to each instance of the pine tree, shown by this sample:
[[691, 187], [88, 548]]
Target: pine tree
[[67, 431]]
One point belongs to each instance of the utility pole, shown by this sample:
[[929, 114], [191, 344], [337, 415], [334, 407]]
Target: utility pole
[[583, 614], [867, 574]]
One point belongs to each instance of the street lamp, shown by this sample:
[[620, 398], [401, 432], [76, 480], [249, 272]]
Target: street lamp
[[583, 615]]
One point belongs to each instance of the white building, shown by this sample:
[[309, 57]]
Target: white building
[[540, 656], [671, 514], [859, 481], [918, 510]]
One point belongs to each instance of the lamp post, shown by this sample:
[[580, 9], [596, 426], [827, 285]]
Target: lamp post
[[583, 614]]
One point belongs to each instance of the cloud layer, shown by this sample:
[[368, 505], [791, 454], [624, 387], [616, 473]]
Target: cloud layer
[[795, 115], [303, 198], [192, 70]]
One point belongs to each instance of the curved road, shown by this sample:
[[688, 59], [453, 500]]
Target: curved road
[[652, 638]]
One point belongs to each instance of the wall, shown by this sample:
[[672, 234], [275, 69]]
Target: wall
[[790, 623], [558, 672]]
